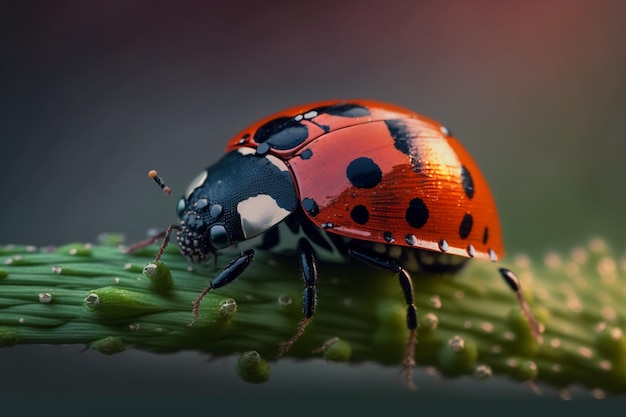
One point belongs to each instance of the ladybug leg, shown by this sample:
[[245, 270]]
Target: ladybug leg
[[381, 261], [326, 345], [511, 279], [166, 235], [308, 271], [228, 275]]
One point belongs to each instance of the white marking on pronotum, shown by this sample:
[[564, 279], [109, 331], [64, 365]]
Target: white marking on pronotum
[[246, 150], [259, 213], [277, 162], [195, 183]]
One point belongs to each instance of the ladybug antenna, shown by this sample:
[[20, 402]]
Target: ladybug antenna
[[154, 175], [513, 282]]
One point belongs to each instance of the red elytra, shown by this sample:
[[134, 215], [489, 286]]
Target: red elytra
[[430, 193]]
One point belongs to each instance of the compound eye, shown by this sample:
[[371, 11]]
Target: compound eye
[[180, 207], [219, 237]]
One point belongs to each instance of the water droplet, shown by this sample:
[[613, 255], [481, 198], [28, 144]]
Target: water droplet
[[585, 352], [284, 300], [607, 270], [522, 261], [482, 372], [512, 362], [92, 301], [552, 260], [457, 344], [608, 313], [555, 343], [431, 321], [579, 255], [598, 394], [486, 327], [605, 365], [435, 301], [597, 245], [150, 270], [45, 297], [227, 309]]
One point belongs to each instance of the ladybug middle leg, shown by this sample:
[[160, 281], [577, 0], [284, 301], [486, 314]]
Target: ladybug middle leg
[[382, 261], [308, 269]]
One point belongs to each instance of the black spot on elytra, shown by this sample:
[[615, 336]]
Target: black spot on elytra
[[467, 182], [417, 213], [403, 136], [388, 236], [282, 133], [360, 214], [310, 206], [485, 235], [364, 173], [285, 133], [306, 154], [263, 148], [344, 110], [466, 226]]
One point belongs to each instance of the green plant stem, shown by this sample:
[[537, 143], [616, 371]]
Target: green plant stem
[[469, 324]]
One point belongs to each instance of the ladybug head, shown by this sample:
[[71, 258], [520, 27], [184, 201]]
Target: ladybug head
[[236, 199]]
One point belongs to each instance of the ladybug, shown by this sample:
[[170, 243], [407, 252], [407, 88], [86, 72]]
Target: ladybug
[[359, 179]]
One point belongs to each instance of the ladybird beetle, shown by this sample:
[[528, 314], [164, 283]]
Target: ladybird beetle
[[361, 179]]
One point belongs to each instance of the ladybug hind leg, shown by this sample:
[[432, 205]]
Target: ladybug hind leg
[[387, 263], [513, 282]]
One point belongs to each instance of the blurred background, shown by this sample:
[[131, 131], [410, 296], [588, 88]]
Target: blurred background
[[94, 94]]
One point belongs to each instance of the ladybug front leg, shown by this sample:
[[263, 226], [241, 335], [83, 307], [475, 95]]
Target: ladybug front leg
[[228, 275], [384, 262], [308, 271], [166, 235]]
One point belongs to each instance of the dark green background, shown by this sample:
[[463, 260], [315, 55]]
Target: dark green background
[[93, 94]]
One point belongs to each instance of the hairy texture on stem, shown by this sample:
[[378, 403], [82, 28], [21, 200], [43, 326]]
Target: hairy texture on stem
[[469, 324]]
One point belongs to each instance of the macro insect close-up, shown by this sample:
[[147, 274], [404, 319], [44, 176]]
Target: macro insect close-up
[[358, 198], [355, 178]]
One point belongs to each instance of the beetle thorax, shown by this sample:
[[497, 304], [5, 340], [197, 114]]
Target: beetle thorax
[[239, 197]]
